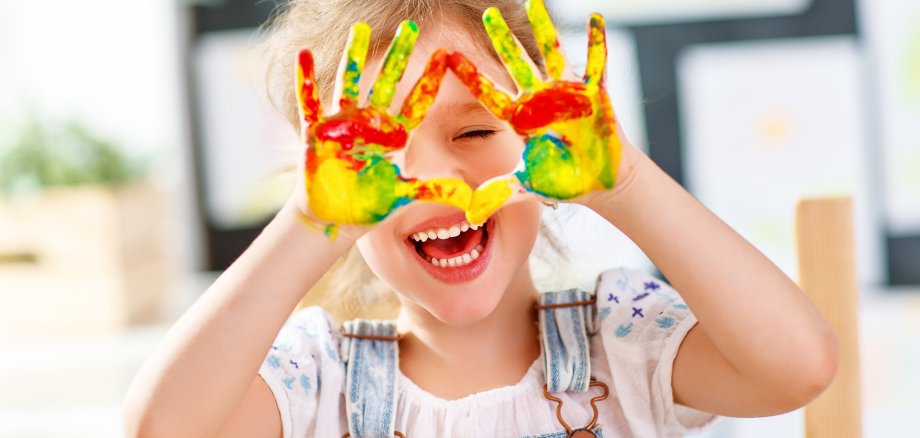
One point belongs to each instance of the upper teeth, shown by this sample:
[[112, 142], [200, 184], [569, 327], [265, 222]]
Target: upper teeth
[[444, 233]]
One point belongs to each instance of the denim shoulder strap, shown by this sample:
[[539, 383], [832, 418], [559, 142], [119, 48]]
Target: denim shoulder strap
[[370, 350], [566, 320]]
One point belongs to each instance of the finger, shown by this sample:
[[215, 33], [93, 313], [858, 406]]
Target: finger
[[597, 50], [509, 50], [353, 62], [495, 194], [547, 38], [426, 88], [310, 106], [496, 101], [394, 65], [449, 191]]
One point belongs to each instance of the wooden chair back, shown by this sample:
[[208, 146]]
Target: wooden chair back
[[827, 275]]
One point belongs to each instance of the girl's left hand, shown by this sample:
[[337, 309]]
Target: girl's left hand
[[573, 144]]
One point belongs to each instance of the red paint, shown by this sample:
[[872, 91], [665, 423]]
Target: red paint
[[465, 71], [348, 132], [308, 92], [426, 87], [549, 106], [312, 162]]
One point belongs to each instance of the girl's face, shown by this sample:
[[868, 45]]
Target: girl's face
[[428, 253]]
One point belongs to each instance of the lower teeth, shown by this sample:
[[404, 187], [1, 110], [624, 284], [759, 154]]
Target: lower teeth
[[456, 262]]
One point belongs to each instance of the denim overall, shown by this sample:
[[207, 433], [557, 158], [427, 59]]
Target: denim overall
[[566, 319]]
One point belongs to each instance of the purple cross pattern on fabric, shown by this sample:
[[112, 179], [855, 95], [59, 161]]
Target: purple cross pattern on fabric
[[614, 298], [637, 311]]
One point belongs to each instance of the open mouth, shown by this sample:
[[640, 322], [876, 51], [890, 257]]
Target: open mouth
[[452, 253]]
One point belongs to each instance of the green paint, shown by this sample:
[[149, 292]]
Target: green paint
[[509, 50], [551, 169], [378, 191], [356, 55], [394, 65]]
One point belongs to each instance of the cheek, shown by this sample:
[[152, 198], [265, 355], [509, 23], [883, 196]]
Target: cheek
[[520, 227], [377, 248], [497, 156]]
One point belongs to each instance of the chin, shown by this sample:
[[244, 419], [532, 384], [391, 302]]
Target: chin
[[456, 271]]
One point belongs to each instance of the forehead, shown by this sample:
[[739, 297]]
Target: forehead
[[439, 36]]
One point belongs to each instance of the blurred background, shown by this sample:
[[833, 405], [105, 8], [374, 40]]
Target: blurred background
[[139, 157]]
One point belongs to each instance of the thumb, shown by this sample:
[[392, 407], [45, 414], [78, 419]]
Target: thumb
[[494, 194]]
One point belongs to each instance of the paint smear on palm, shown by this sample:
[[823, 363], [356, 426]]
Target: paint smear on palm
[[572, 147]]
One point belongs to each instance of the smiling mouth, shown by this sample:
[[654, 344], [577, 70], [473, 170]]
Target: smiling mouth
[[451, 250], [452, 247]]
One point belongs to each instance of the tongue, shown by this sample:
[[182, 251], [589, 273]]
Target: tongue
[[453, 247]]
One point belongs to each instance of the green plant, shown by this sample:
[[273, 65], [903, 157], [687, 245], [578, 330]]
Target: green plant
[[52, 155]]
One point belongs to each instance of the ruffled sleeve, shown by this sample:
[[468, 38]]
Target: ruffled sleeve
[[305, 374], [642, 324]]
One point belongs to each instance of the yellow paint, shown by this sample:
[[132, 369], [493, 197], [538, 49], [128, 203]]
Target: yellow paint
[[487, 199]]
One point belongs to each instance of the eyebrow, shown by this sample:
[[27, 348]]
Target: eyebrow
[[454, 109]]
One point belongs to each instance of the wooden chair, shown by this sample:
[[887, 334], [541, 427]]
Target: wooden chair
[[827, 274]]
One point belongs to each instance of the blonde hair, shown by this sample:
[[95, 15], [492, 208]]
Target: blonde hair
[[350, 289]]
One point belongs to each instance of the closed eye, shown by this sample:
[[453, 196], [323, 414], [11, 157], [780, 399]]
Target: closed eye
[[478, 133]]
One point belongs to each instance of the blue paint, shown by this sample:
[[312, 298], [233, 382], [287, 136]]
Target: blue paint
[[623, 330]]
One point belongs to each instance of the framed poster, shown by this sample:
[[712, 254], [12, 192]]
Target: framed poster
[[770, 122], [892, 31], [245, 144]]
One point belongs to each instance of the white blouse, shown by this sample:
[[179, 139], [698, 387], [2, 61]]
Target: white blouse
[[642, 322]]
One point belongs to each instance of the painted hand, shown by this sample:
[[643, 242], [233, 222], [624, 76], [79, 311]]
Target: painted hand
[[348, 176], [572, 146]]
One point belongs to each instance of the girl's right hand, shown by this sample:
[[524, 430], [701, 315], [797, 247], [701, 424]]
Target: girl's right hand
[[347, 177]]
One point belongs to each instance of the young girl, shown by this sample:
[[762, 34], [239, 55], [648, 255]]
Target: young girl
[[475, 349]]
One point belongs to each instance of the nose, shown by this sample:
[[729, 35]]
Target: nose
[[426, 157]]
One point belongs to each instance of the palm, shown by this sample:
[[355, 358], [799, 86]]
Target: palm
[[349, 178], [567, 140]]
